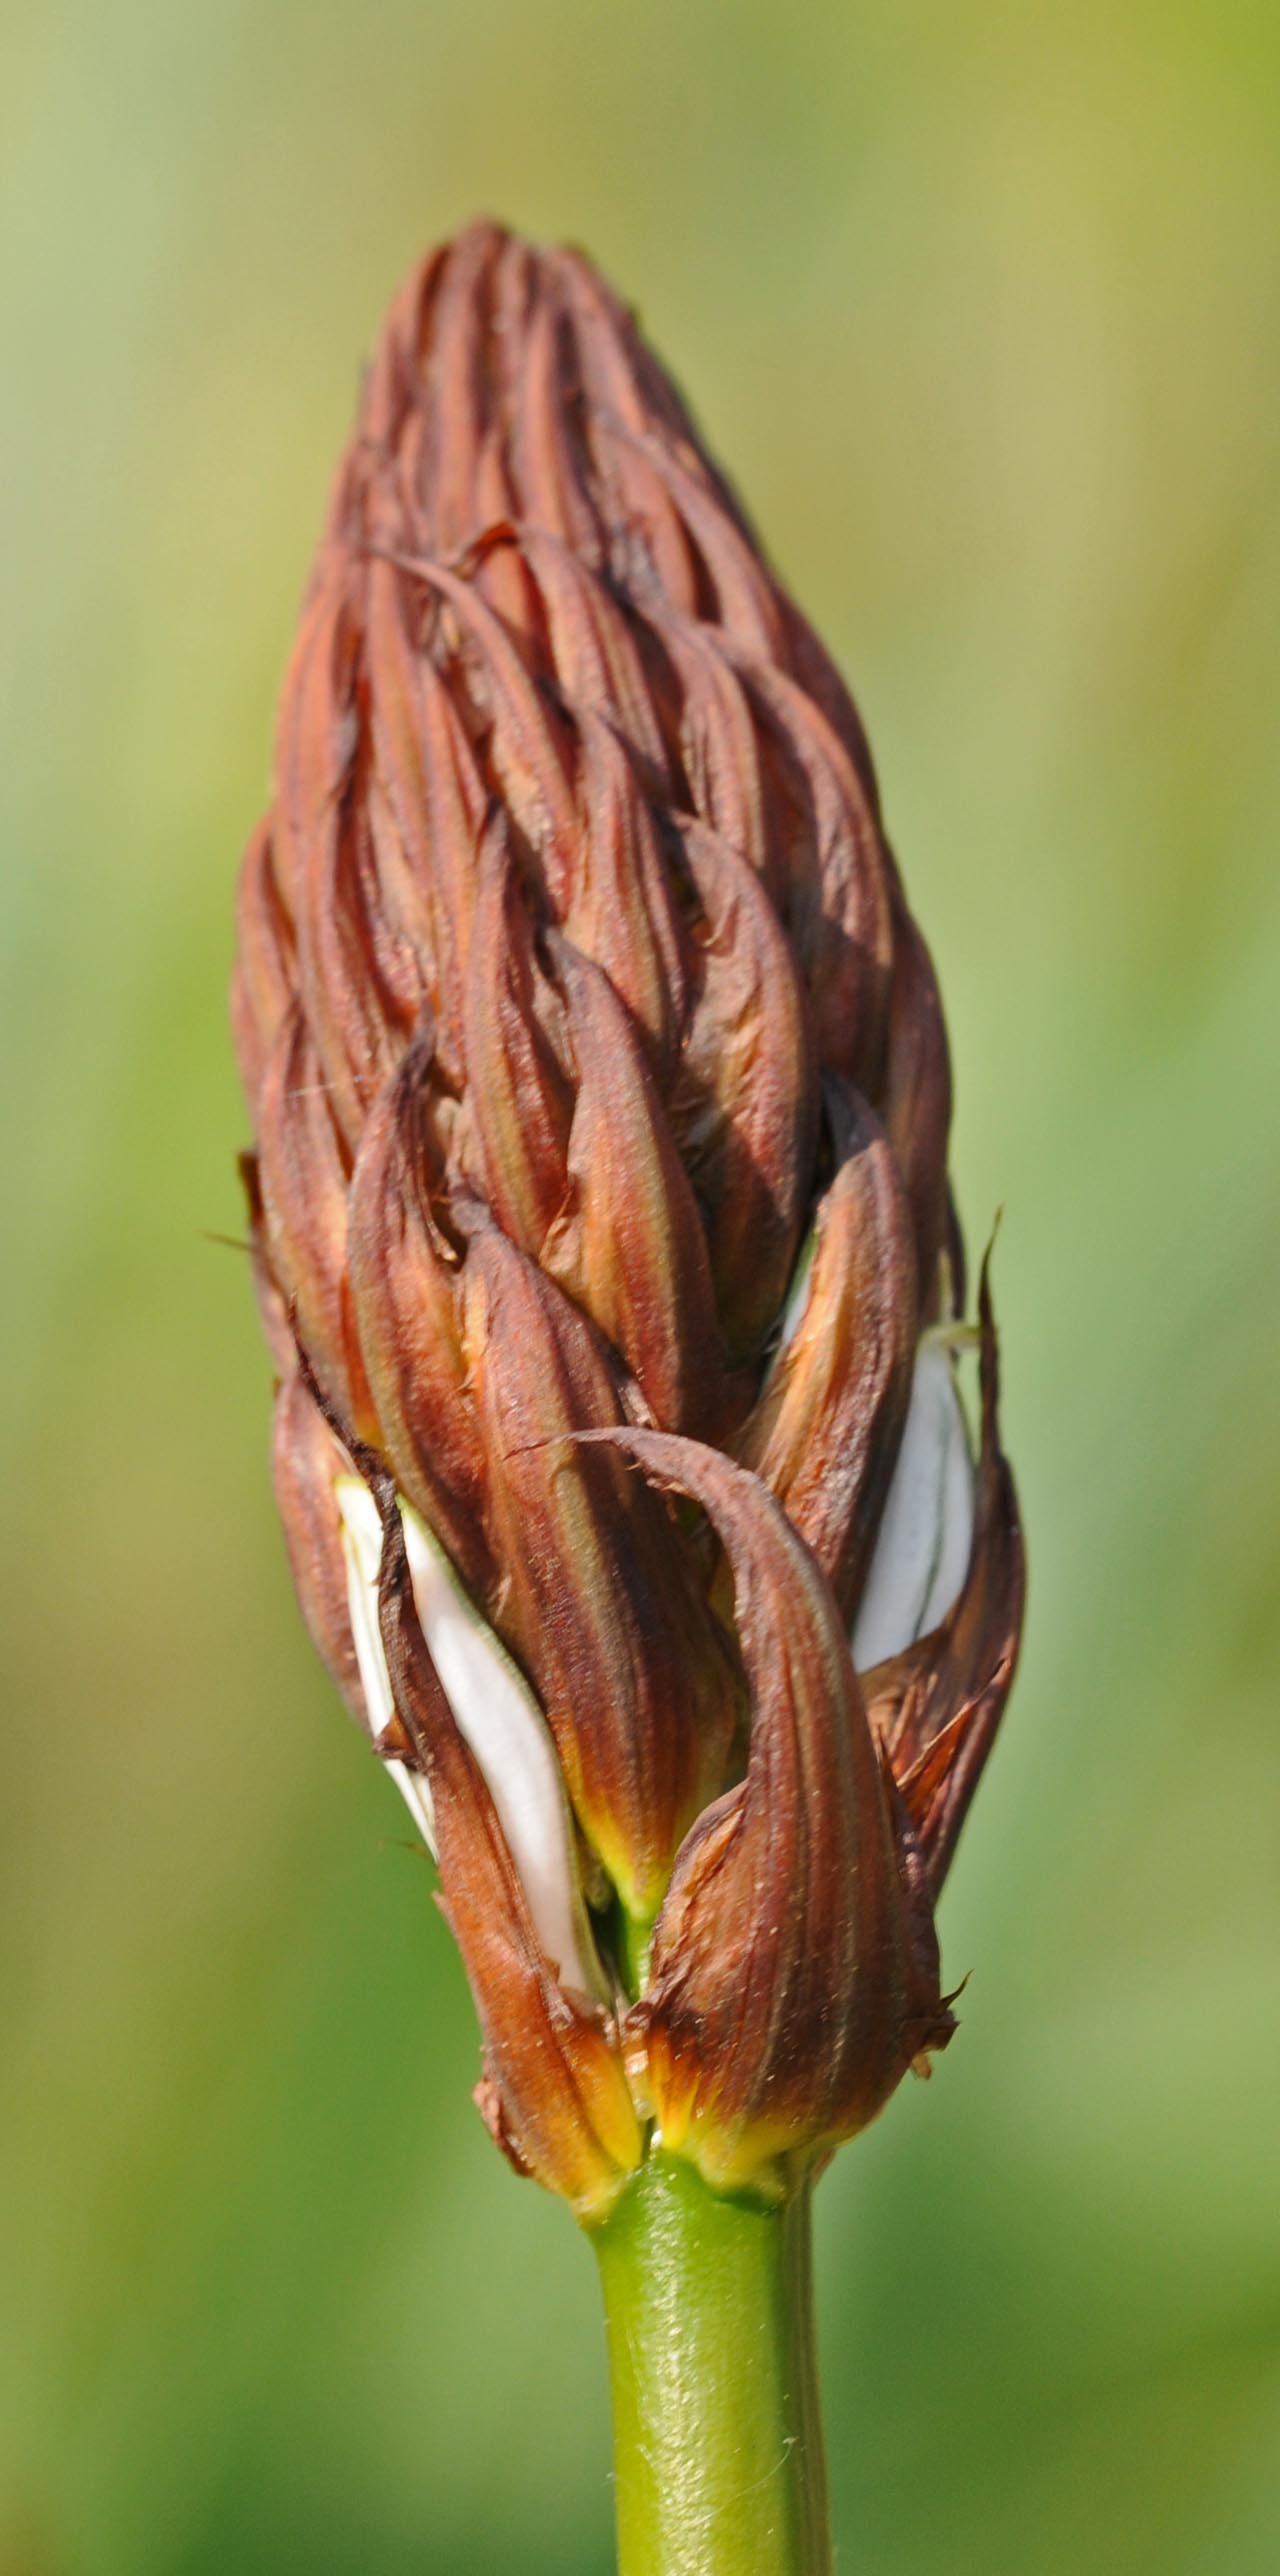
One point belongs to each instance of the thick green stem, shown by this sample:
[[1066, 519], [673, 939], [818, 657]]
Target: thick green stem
[[717, 2435]]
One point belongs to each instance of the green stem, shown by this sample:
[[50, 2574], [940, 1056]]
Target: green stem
[[718, 2457]]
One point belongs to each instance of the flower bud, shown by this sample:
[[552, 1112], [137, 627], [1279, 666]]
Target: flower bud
[[603, 1239]]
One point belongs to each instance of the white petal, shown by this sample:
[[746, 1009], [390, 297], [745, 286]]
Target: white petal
[[417, 1798], [798, 1292], [956, 1531], [508, 1734], [362, 1548], [922, 1551]]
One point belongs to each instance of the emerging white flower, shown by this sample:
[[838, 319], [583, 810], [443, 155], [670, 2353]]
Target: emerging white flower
[[496, 1713], [922, 1549], [362, 1548]]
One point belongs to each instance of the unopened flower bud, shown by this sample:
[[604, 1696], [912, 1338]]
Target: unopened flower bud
[[599, 1199]]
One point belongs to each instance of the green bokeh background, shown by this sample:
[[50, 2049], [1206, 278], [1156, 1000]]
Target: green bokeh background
[[981, 306]]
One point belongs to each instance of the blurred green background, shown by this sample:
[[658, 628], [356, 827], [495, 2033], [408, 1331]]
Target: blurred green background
[[981, 307]]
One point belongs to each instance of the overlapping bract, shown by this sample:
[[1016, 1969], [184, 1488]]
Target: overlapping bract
[[600, 1094]]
